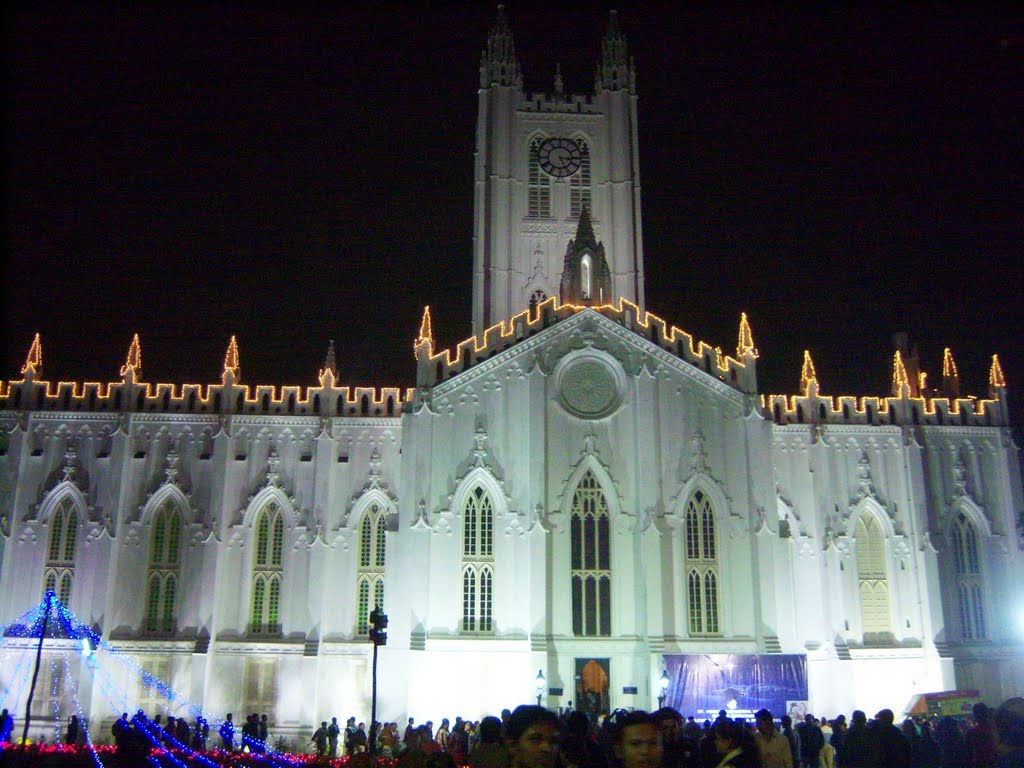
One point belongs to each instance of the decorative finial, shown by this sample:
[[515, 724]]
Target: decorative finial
[[231, 361], [996, 379], [950, 375], [558, 80], [808, 376], [899, 376], [329, 363], [585, 230], [746, 342], [426, 331], [616, 70], [134, 361], [34, 361], [498, 64]]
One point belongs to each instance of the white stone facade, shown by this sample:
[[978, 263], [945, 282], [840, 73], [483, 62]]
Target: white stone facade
[[880, 537]]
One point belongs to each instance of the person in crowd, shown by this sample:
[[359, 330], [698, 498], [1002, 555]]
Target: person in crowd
[[359, 740], [388, 739], [692, 728], [926, 750], [443, 734], [71, 735], [489, 752], [333, 731], [227, 734], [634, 740], [407, 736], [1008, 723], [458, 742], [320, 739], [893, 747], [772, 747], [909, 729], [250, 731], [678, 750], [200, 734], [121, 731], [792, 737], [859, 747], [827, 755], [952, 746], [735, 747], [838, 734], [981, 738], [531, 737], [811, 741], [183, 733]]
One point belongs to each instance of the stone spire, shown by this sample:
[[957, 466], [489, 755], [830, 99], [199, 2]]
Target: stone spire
[[996, 379], [329, 361], [808, 376], [745, 346], [616, 70], [34, 361], [586, 278], [900, 381], [498, 63], [950, 376], [559, 85], [133, 364], [231, 364], [426, 329]]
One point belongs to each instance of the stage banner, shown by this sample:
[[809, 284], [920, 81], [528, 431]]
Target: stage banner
[[703, 684]]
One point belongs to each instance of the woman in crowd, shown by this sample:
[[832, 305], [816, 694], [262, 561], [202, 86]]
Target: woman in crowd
[[735, 747]]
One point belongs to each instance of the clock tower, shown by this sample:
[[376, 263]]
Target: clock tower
[[544, 161]]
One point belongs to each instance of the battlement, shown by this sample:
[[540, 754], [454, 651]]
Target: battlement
[[130, 396], [575, 104], [849, 409], [435, 368]]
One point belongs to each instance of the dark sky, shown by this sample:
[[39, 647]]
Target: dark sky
[[295, 177]]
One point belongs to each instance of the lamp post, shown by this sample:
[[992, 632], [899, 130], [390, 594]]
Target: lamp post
[[540, 682], [663, 687]]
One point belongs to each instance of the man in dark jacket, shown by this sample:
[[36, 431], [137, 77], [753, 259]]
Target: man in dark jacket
[[893, 747], [811, 741], [1009, 727], [859, 748]]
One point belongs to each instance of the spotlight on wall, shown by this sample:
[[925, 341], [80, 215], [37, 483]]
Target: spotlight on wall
[[541, 681]]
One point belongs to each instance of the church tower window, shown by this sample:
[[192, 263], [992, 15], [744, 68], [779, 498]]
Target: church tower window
[[585, 272], [478, 562], [579, 183], [268, 571], [59, 571], [970, 603], [591, 560], [370, 578], [702, 569], [539, 185], [872, 576], [164, 569]]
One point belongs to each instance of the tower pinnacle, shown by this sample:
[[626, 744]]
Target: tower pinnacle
[[950, 375], [808, 376], [745, 346], [899, 376], [426, 331], [231, 364], [996, 379], [616, 70], [498, 63], [586, 278], [34, 361], [133, 363]]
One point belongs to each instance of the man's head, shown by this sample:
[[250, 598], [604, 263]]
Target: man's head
[[982, 714], [885, 717], [635, 741], [352, 721], [531, 737], [333, 719], [1009, 725], [765, 723], [411, 721], [858, 718], [669, 723], [809, 719], [323, 723]]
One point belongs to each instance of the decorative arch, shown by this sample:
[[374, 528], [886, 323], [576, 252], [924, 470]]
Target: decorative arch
[[168, 492], [590, 462], [264, 497], [972, 512], [872, 506], [63, 512], [485, 478], [701, 481], [56, 495]]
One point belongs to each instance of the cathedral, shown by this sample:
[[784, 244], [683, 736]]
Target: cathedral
[[581, 504]]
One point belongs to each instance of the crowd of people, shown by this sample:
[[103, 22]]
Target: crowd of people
[[535, 737]]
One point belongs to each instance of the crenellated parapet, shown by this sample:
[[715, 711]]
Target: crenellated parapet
[[434, 368], [912, 403], [558, 103], [132, 395]]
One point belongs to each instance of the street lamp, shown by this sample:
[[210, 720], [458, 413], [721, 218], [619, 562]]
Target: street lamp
[[663, 686], [540, 682]]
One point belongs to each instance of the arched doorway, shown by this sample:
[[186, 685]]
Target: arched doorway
[[592, 687]]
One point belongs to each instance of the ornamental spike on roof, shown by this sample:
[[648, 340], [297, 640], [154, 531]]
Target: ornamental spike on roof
[[426, 329], [34, 361], [231, 363], [808, 375], [133, 363], [996, 379], [745, 346], [899, 375]]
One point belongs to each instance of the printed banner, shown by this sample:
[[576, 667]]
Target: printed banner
[[703, 684]]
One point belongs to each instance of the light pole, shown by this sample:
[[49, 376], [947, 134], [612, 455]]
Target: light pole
[[663, 687], [540, 682]]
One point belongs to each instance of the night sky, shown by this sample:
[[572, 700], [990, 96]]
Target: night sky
[[302, 176]]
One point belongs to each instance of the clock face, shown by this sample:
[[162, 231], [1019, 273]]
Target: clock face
[[560, 157]]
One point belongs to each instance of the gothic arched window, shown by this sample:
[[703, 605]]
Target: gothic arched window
[[586, 275], [478, 562], [970, 603], [591, 560], [370, 576], [59, 571], [268, 571], [579, 183], [872, 576], [538, 185], [163, 574], [702, 572]]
